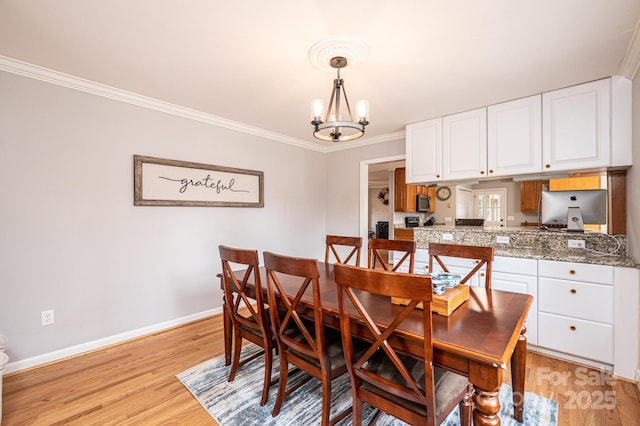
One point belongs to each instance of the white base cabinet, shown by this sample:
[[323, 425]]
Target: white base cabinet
[[589, 313], [584, 313], [575, 309]]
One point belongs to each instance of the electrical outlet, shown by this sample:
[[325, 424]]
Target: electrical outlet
[[502, 240], [447, 237], [46, 317], [576, 244]]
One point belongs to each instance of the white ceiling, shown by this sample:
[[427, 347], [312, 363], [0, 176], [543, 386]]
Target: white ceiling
[[246, 60]]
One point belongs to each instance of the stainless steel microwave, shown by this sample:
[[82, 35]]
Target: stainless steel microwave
[[423, 203]]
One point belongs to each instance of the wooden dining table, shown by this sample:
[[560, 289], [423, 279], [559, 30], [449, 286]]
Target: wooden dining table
[[478, 340]]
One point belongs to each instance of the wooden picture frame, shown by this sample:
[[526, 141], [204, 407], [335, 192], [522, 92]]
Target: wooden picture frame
[[163, 182]]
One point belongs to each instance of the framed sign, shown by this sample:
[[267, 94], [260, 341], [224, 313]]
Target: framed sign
[[161, 182]]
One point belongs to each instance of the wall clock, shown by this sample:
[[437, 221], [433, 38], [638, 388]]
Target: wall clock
[[443, 193]]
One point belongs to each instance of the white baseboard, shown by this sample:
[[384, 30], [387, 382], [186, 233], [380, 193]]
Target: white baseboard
[[107, 341]]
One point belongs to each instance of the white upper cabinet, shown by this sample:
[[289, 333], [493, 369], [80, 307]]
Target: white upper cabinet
[[464, 145], [423, 145], [514, 137], [577, 127], [582, 127]]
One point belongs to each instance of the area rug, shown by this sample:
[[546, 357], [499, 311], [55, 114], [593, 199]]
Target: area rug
[[238, 402]]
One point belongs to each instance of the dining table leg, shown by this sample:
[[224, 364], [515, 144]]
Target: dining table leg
[[486, 380], [518, 367], [486, 407]]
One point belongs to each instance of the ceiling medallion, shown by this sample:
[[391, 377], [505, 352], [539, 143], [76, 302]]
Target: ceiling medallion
[[351, 48]]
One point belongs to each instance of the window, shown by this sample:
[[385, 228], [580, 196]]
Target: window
[[490, 205]]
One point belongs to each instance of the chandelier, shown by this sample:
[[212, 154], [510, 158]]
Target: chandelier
[[338, 123]]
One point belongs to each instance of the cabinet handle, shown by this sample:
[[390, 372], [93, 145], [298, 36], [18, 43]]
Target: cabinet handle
[[438, 176], [572, 328], [481, 172], [490, 170], [573, 291], [572, 272], [547, 166]]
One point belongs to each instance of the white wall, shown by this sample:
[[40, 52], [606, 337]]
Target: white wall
[[72, 240], [378, 211], [343, 184]]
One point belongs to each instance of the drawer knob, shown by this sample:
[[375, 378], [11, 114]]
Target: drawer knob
[[572, 272], [572, 328], [573, 291]]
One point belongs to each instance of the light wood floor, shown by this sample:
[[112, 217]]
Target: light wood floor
[[134, 383]]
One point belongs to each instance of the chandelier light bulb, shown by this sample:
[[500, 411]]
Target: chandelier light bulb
[[317, 111], [362, 111]]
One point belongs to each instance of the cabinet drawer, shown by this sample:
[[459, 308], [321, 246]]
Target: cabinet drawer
[[588, 301], [600, 274], [577, 337], [515, 265]]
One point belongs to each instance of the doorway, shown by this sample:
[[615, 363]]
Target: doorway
[[375, 168]]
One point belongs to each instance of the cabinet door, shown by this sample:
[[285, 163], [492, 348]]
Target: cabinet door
[[405, 195], [530, 195], [514, 137], [576, 126], [464, 145], [400, 191], [431, 192], [525, 284], [423, 148]]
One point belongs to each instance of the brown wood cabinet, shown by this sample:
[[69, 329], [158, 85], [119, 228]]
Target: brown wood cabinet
[[403, 234], [405, 194], [530, 195]]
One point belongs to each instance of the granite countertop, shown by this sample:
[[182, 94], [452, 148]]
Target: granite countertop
[[532, 243], [569, 255]]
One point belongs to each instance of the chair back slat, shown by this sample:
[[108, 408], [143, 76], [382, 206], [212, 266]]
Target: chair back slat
[[378, 245], [334, 242], [482, 254]]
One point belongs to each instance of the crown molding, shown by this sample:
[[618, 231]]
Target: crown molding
[[36, 72], [631, 61], [61, 79]]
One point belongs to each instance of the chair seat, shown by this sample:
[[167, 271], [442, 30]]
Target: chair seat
[[448, 386], [333, 347]]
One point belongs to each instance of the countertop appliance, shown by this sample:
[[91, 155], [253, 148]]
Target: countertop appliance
[[411, 221]]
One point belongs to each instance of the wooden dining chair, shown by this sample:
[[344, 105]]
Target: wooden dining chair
[[377, 247], [305, 344], [482, 255], [409, 388], [333, 244], [249, 316]]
